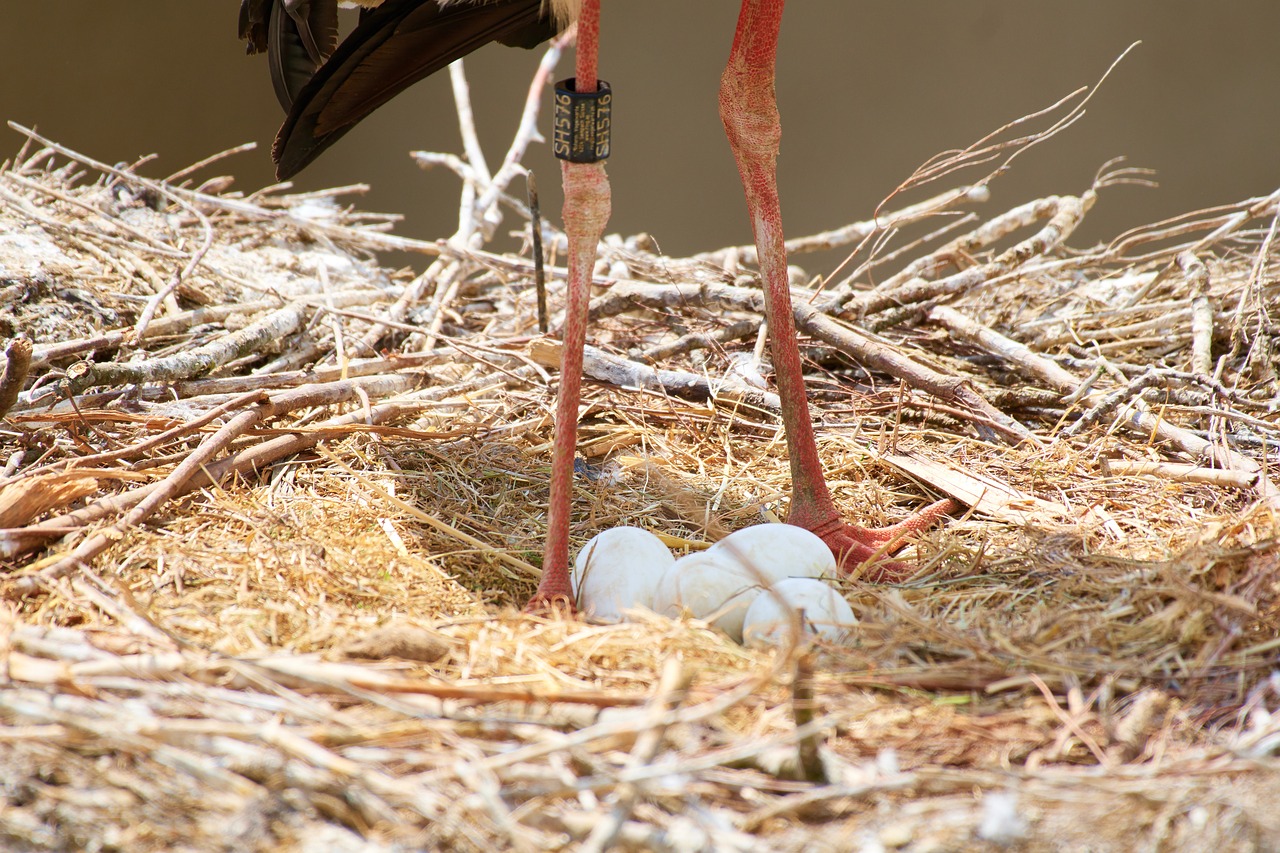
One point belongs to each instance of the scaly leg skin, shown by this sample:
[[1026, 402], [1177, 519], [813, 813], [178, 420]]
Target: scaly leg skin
[[586, 210], [749, 109]]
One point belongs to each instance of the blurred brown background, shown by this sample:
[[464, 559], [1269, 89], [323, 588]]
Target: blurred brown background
[[868, 90]]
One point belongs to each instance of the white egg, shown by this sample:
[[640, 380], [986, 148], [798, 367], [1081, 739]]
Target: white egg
[[826, 614], [778, 551], [618, 569], [708, 585]]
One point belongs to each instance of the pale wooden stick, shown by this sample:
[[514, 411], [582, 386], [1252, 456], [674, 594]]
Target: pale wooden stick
[[624, 373], [1201, 313], [1180, 472]]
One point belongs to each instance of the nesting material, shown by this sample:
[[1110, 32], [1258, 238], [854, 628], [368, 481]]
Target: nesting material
[[281, 607]]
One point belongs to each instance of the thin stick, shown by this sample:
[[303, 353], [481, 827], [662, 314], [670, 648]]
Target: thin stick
[[539, 267]]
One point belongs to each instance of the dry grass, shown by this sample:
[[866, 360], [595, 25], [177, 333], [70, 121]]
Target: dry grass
[[310, 637]]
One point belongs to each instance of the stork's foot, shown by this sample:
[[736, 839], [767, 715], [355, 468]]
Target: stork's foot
[[553, 596], [551, 605], [853, 546]]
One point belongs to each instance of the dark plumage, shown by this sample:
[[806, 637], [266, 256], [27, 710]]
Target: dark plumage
[[328, 90]]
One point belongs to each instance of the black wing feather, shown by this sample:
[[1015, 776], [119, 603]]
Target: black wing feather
[[393, 47]]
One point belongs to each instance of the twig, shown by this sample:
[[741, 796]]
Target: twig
[[187, 171], [1136, 415], [623, 373], [672, 686], [17, 363], [539, 271], [808, 747], [250, 340], [14, 542], [172, 485], [1064, 213], [315, 227], [1201, 313], [877, 355], [143, 446], [859, 231]]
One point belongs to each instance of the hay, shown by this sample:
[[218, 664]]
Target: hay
[[272, 510]]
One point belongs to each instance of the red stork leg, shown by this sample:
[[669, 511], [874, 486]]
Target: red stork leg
[[749, 109], [586, 210]]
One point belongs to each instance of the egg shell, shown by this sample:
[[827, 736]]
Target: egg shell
[[617, 570], [827, 615], [708, 585], [776, 551]]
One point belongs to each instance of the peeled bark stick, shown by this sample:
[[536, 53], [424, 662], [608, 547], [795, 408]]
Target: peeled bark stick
[[1015, 352], [1179, 472], [362, 237], [1137, 416], [624, 373], [199, 361], [1067, 213], [1201, 313], [858, 231], [887, 359], [628, 295]]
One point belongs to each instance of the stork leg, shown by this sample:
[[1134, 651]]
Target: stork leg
[[586, 210], [748, 107]]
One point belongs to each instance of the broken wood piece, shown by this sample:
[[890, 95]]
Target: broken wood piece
[[623, 373], [988, 495], [1181, 472]]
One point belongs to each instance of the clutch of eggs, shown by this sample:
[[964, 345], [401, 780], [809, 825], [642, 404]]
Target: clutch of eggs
[[757, 582]]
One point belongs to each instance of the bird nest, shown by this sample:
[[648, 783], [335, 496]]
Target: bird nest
[[271, 510]]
